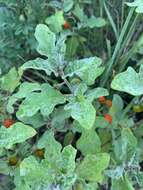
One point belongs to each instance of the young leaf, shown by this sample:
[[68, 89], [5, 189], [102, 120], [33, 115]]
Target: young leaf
[[39, 64], [129, 82], [10, 81], [138, 4], [52, 147], [55, 22], [96, 93], [68, 159], [88, 69], [46, 40], [95, 22], [83, 112], [122, 184], [17, 133], [89, 142], [67, 5], [25, 90], [92, 167], [34, 173], [45, 101]]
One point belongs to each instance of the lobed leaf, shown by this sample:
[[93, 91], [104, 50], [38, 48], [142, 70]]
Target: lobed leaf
[[17, 133]]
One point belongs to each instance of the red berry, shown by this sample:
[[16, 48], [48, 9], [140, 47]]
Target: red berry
[[66, 25], [102, 99], [8, 122], [108, 118]]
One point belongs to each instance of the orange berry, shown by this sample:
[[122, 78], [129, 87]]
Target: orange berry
[[8, 122], [108, 118], [40, 153], [102, 99], [108, 103], [66, 25]]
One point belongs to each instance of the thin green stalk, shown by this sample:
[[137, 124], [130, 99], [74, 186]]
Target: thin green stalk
[[128, 107], [111, 21], [122, 16], [117, 47], [127, 39]]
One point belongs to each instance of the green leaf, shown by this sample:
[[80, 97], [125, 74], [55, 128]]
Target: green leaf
[[88, 69], [25, 90], [117, 108], [138, 4], [39, 64], [95, 22], [68, 159], [52, 147], [34, 173], [78, 12], [96, 93], [92, 167], [36, 120], [129, 143], [46, 40], [129, 82], [83, 112], [126, 146], [122, 184], [10, 81], [89, 142], [17, 133], [67, 5], [45, 101], [56, 21], [100, 122], [59, 117]]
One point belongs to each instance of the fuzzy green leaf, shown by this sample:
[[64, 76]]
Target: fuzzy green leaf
[[25, 90], [46, 40], [89, 142], [17, 133], [92, 167], [10, 81], [96, 93], [88, 69], [56, 21], [39, 64], [52, 147], [83, 112], [67, 5], [138, 4], [45, 101], [129, 81], [122, 184]]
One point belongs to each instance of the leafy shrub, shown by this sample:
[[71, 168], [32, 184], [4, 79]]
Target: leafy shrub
[[63, 126]]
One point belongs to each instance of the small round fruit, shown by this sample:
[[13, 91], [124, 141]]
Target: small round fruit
[[102, 99], [108, 118], [13, 161], [66, 25], [108, 103], [8, 123], [40, 153]]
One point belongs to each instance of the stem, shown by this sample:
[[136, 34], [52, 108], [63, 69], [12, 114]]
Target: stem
[[66, 81], [128, 107], [122, 16], [127, 39], [117, 47], [111, 21]]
